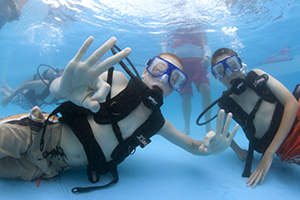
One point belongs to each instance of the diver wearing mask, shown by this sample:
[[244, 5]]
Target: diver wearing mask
[[263, 107], [116, 108], [32, 92], [94, 128]]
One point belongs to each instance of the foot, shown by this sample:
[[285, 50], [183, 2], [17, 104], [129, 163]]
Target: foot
[[2, 84], [6, 87], [186, 131]]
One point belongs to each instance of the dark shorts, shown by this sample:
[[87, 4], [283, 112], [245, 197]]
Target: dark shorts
[[195, 72]]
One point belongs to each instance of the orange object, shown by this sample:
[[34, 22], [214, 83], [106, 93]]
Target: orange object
[[289, 151]]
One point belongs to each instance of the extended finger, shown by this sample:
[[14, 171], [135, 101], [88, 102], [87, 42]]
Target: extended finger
[[262, 178], [78, 57], [220, 122], [109, 62], [257, 179], [227, 124], [100, 51], [250, 180], [253, 178], [233, 133]]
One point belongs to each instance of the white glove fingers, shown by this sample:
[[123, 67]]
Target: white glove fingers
[[232, 134], [100, 51], [220, 122], [109, 62], [78, 57], [227, 124]]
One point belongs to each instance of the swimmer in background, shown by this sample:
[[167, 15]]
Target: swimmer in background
[[10, 10], [32, 92], [190, 45]]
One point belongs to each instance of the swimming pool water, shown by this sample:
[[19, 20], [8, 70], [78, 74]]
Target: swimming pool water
[[261, 31]]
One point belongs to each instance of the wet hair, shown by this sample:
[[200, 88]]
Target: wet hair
[[49, 75], [221, 52], [174, 57]]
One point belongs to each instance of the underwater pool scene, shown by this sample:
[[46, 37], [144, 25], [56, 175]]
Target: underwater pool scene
[[264, 33]]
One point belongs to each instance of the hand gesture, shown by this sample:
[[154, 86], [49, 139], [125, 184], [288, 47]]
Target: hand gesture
[[80, 82], [205, 62], [217, 142], [261, 170]]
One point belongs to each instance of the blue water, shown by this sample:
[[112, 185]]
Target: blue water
[[50, 32]]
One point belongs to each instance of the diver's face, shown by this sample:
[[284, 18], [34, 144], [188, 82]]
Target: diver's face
[[162, 81], [229, 75]]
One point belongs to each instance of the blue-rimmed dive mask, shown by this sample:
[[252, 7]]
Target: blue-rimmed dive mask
[[228, 65], [159, 67]]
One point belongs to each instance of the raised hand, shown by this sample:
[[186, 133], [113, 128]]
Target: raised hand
[[205, 62], [80, 82], [217, 142]]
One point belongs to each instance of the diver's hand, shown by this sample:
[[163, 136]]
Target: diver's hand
[[242, 154], [205, 62], [80, 82], [261, 170], [217, 142]]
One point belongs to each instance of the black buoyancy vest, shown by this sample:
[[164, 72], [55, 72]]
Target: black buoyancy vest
[[120, 106], [257, 84], [111, 112], [32, 97]]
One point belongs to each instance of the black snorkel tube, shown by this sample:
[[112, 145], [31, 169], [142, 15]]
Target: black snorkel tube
[[238, 87]]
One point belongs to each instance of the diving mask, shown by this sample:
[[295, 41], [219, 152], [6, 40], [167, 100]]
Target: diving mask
[[159, 67], [228, 65]]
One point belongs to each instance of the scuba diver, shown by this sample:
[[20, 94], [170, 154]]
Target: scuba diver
[[103, 120], [263, 107], [32, 92]]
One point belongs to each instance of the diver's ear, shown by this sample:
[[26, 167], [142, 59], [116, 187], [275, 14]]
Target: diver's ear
[[144, 73]]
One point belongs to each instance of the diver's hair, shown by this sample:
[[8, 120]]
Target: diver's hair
[[60, 72], [221, 52], [49, 75], [174, 56]]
